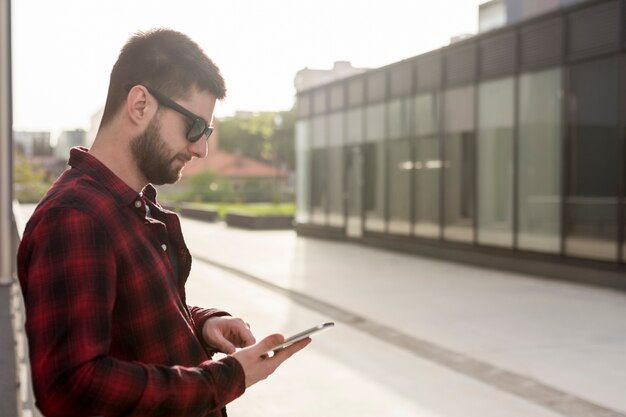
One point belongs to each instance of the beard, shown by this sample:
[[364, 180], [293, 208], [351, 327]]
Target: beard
[[153, 157]]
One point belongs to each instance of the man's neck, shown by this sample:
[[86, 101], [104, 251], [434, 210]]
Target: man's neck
[[113, 152]]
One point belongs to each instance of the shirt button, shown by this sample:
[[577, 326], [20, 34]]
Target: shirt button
[[138, 203], [164, 246]]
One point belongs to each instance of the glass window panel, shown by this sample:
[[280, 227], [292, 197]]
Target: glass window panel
[[374, 173], [376, 85], [356, 91], [354, 191], [319, 135], [624, 232], [335, 129], [591, 202], [426, 114], [355, 126], [427, 166], [400, 167], [375, 122], [319, 186], [539, 161], [335, 187], [459, 148], [495, 162], [398, 116], [337, 97], [319, 101], [303, 171]]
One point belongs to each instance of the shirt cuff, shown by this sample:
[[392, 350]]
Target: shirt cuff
[[228, 377]]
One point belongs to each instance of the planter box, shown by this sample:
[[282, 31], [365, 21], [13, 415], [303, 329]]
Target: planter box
[[250, 221], [198, 213]]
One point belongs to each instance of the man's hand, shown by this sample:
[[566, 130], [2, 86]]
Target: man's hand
[[227, 334], [257, 365]]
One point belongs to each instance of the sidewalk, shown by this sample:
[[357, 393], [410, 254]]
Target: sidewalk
[[559, 346]]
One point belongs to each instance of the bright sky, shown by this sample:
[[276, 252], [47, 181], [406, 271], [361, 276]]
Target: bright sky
[[63, 50]]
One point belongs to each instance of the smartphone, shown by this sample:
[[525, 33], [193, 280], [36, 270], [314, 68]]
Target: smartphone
[[302, 335]]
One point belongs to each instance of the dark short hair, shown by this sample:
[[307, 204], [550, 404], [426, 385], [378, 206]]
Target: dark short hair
[[165, 60]]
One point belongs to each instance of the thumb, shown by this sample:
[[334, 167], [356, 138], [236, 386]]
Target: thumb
[[269, 342]]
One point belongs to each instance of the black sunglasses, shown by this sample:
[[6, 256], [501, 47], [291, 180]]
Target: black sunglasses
[[199, 128]]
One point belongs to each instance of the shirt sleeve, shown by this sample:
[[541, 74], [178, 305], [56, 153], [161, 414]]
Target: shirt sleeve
[[67, 268]]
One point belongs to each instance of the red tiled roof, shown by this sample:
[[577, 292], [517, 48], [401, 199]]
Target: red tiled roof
[[228, 165]]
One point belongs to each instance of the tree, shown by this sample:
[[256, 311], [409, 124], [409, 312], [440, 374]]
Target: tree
[[267, 137], [30, 180]]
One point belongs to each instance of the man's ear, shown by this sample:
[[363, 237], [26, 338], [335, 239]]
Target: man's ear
[[140, 105]]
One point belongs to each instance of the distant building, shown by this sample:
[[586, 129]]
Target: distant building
[[491, 15], [93, 127], [33, 144], [67, 140], [308, 78], [498, 13], [505, 150]]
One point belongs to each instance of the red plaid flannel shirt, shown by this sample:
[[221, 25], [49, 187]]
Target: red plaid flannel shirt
[[108, 327]]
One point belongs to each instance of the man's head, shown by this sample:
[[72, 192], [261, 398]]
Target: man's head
[[162, 95], [165, 60]]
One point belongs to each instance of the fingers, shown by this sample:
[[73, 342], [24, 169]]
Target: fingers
[[239, 333], [280, 355], [269, 342], [246, 336], [258, 365], [224, 345], [285, 353], [227, 334]]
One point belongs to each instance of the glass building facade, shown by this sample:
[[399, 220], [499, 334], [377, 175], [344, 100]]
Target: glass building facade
[[511, 143]]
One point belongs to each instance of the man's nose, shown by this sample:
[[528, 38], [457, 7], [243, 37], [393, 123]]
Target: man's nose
[[199, 148]]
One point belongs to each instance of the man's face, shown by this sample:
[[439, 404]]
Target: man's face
[[154, 158], [162, 150]]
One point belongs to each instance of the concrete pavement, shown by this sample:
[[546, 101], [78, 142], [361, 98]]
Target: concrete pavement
[[445, 334], [414, 337]]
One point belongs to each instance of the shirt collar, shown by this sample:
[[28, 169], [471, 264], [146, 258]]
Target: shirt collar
[[82, 160]]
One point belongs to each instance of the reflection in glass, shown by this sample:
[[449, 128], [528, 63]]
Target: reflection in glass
[[319, 186], [399, 116], [335, 187], [495, 162], [459, 148], [354, 191], [375, 123], [591, 202], [335, 129], [355, 126], [335, 169], [427, 166], [624, 217], [539, 161], [400, 166], [319, 166], [374, 173], [303, 171], [426, 114]]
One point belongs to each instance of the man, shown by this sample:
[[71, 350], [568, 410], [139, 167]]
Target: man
[[103, 266]]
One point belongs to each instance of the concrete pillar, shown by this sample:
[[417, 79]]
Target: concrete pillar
[[8, 376]]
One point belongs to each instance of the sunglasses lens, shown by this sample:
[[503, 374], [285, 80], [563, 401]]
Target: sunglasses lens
[[197, 130]]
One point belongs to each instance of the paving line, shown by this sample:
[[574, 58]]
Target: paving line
[[522, 386]]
